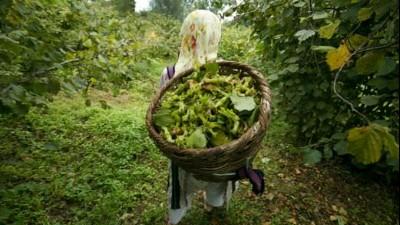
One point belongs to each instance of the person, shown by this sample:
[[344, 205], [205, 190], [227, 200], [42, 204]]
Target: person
[[201, 34]]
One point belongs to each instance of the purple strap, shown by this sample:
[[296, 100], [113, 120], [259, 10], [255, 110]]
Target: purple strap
[[170, 71], [256, 178]]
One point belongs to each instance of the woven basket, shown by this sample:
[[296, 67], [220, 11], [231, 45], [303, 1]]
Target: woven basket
[[217, 163]]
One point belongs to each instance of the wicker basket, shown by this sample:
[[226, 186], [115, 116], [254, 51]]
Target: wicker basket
[[217, 163]]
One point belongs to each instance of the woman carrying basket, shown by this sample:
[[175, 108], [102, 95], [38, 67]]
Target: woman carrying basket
[[200, 33]]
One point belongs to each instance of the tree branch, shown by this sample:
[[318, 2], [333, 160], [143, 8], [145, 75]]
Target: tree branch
[[55, 66], [340, 96], [377, 47]]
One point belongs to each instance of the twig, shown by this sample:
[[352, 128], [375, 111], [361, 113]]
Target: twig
[[55, 66], [340, 96], [310, 8], [377, 47]]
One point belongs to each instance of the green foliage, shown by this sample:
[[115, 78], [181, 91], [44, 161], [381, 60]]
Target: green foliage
[[125, 5], [311, 156], [48, 46], [358, 40], [172, 8], [117, 50], [35, 36], [207, 108], [238, 44], [214, 6]]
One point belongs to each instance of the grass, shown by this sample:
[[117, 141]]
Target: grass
[[73, 164]]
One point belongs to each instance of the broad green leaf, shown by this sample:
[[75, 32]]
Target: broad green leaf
[[327, 31], [303, 35], [369, 63], [17, 92], [365, 144], [378, 83], [389, 142], [254, 115], [364, 14], [219, 139], [320, 15], [243, 103], [88, 43], [212, 68], [299, 4], [370, 99], [292, 59], [311, 157], [163, 118], [293, 68], [341, 147], [386, 66], [322, 48], [338, 57], [356, 41], [197, 139], [369, 143]]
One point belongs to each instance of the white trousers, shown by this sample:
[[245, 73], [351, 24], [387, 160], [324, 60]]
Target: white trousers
[[216, 193]]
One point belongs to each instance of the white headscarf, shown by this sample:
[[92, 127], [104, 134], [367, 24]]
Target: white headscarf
[[200, 33]]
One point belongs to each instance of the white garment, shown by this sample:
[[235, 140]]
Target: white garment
[[217, 193], [200, 33]]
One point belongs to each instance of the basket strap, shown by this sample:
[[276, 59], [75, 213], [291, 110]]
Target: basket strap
[[256, 178], [170, 71], [176, 189]]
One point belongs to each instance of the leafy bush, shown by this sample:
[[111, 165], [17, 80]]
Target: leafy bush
[[35, 36], [238, 44], [49, 46], [335, 66]]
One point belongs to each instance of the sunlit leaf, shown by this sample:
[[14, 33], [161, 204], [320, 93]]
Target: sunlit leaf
[[338, 57], [364, 144], [219, 139], [197, 139], [389, 141], [367, 143], [322, 48], [299, 4], [88, 43], [364, 14], [320, 15], [243, 103], [327, 31], [303, 35]]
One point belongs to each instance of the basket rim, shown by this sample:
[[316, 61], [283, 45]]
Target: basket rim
[[265, 102]]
